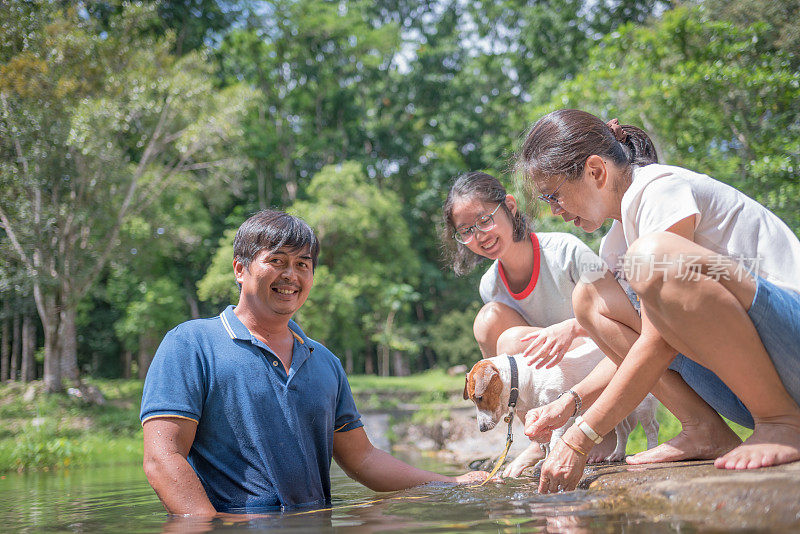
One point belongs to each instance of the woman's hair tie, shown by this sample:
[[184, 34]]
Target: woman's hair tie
[[617, 130]]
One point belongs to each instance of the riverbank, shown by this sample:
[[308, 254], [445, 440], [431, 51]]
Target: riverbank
[[41, 431], [423, 412]]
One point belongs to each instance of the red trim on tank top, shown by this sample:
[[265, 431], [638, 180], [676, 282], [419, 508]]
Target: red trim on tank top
[[534, 275]]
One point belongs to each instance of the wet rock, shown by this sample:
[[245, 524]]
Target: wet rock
[[767, 498]]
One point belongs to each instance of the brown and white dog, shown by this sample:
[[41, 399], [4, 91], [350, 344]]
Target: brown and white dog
[[488, 386]]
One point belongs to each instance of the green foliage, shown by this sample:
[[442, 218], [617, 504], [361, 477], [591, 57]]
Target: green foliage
[[716, 97], [434, 390], [154, 312], [218, 284], [367, 272], [92, 146], [452, 337], [136, 136], [62, 431], [434, 380]]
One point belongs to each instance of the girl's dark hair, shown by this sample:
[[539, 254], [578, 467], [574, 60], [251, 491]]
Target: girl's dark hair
[[486, 188], [559, 143], [271, 229]]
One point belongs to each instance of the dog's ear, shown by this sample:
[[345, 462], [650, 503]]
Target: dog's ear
[[483, 379], [466, 383]]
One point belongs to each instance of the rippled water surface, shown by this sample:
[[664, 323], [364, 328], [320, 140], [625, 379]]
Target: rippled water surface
[[120, 500]]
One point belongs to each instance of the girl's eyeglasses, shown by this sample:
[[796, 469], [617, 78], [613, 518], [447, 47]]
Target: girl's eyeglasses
[[484, 223]]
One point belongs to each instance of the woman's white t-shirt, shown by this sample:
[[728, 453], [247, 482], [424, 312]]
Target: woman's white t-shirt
[[728, 222], [560, 261]]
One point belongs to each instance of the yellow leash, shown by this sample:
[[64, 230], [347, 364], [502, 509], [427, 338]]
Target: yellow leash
[[509, 440]]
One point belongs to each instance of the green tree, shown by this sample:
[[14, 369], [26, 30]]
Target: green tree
[[314, 63], [716, 97], [148, 315], [89, 141], [370, 269]]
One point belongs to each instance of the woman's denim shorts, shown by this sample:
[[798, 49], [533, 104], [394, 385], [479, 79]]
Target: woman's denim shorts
[[775, 313]]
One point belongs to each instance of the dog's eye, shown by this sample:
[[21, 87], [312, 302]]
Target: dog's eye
[[479, 398]]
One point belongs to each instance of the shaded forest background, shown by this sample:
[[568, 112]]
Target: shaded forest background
[[135, 137]]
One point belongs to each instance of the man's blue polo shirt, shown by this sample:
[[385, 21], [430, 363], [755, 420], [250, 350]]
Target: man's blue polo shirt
[[264, 438]]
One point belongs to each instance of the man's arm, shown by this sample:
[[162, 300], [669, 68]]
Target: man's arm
[[379, 470], [167, 441]]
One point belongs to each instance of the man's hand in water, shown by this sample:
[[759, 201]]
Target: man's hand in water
[[473, 477]]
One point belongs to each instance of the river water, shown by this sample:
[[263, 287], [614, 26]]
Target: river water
[[119, 500]]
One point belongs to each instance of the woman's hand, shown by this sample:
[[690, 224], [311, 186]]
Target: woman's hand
[[562, 469], [540, 422], [549, 345]]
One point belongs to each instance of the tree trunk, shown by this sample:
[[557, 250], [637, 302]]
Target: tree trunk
[[144, 362], [27, 372], [68, 335], [46, 305], [16, 345], [191, 299], [429, 357], [369, 366], [127, 359], [348, 361], [147, 347], [385, 348], [400, 367], [5, 342], [384, 355]]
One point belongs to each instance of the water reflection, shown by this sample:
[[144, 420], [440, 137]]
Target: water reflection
[[120, 500]]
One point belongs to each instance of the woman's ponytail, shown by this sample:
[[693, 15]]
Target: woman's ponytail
[[559, 143], [642, 150]]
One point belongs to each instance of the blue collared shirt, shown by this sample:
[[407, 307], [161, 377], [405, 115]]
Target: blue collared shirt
[[264, 438]]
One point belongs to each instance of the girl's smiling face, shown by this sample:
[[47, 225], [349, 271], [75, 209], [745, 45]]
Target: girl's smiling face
[[491, 243]]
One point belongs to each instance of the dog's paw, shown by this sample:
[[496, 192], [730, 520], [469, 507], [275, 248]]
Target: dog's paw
[[598, 458], [615, 457], [515, 468]]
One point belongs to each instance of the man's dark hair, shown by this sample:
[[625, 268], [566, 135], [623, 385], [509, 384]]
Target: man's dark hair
[[272, 230]]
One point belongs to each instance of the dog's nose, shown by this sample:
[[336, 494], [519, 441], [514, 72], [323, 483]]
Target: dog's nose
[[483, 427]]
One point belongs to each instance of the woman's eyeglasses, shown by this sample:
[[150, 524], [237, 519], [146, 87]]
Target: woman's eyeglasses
[[484, 223], [551, 198]]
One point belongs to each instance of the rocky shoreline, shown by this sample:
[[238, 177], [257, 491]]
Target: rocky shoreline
[[765, 499]]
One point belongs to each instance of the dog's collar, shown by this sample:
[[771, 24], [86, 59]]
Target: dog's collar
[[514, 393], [512, 402]]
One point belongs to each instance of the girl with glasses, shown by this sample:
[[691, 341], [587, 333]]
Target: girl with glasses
[[718, 277], [527, 290]]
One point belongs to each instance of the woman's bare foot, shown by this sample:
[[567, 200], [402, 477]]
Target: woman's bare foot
[[695, 442], [605, 451], [773, 442]]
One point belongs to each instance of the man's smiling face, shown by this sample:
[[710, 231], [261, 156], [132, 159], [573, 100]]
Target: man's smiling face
[[276, 282]]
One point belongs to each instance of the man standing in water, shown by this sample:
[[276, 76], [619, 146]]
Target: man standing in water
[[242, 412]]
